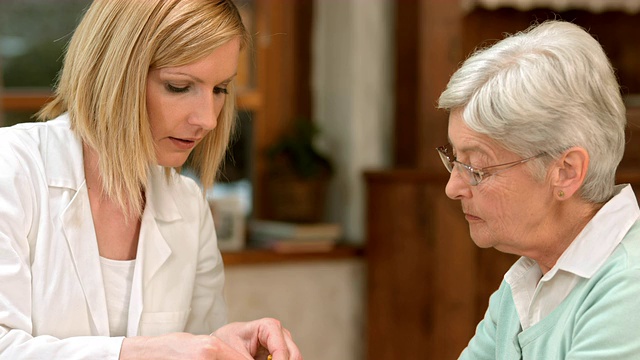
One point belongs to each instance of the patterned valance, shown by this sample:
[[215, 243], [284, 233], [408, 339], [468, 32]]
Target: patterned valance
[[596, 6]]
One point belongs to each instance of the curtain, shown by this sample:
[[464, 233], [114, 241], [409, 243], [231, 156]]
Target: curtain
[[596, 6]]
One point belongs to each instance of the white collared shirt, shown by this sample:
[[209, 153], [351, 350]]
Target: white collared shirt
[[535, 299]]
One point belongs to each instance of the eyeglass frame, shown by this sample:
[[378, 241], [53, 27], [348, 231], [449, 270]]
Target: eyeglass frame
[[476, 176]]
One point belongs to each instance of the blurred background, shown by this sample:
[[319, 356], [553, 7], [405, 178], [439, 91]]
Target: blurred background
[[358, 80]]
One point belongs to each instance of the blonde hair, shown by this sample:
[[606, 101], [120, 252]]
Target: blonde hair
[[102, 85]]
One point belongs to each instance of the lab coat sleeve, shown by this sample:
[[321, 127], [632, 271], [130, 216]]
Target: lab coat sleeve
[[21, 187], [208, 308]]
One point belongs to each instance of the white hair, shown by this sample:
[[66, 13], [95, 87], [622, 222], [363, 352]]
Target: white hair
[[546, 89]]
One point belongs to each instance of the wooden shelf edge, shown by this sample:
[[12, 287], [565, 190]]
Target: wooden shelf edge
[[265, 256], [628, 176], [24, 100]]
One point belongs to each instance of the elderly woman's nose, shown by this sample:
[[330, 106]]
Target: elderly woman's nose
[[457, 187]]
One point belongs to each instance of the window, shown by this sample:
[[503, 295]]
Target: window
[[32, 38]]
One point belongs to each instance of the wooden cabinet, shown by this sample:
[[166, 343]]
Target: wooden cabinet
[[433, 37], [429, 284], [282, 67]]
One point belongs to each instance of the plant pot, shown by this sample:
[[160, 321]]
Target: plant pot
[[297, 199]]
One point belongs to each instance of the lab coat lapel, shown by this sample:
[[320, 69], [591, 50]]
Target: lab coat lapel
[[82, 242], [153, 247], [64, 164]]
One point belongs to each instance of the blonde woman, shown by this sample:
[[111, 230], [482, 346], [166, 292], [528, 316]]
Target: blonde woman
[[106, 252]]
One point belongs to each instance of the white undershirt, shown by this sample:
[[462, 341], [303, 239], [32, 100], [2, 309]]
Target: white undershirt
[[118, 277]]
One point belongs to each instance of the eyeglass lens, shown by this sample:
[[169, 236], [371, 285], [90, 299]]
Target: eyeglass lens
[[449, 162]]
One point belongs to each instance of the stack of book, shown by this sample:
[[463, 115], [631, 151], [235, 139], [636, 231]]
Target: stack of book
[[294, 237]]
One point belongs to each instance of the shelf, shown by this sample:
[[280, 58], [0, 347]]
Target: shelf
[[628, 176], [24, 100], [264, 256]]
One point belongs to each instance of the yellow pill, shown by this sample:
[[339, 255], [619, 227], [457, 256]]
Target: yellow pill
[[269, 357]]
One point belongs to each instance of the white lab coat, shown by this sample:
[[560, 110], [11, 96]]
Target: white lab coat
[[52, 299]]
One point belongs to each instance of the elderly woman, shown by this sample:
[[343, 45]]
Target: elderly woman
[[536, 131]]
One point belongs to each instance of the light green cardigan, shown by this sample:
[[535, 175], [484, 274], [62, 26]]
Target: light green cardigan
[[599, 319]]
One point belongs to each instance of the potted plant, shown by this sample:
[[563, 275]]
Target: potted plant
[[298, 175]]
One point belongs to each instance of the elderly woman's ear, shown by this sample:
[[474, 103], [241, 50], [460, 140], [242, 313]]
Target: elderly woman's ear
[[569, 171]]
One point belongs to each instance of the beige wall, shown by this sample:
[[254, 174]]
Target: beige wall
[[353, 95], [321, 303]]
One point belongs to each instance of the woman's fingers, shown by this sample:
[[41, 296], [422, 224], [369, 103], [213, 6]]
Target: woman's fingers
[[294, 352], [279, 341], [260, 338]]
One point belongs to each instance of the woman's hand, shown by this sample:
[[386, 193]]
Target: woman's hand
[[257, 339], [236, 341], [178, 346]]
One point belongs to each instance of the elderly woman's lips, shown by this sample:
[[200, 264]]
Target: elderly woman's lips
[[470, 217]]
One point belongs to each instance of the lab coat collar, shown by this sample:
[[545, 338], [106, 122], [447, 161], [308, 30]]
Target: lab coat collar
[[64, 164], [153, 252], [62, 151], [160, 197], [63, 154], [161, 211], [81, 237]]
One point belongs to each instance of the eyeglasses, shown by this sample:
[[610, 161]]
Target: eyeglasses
[[472, 175]]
